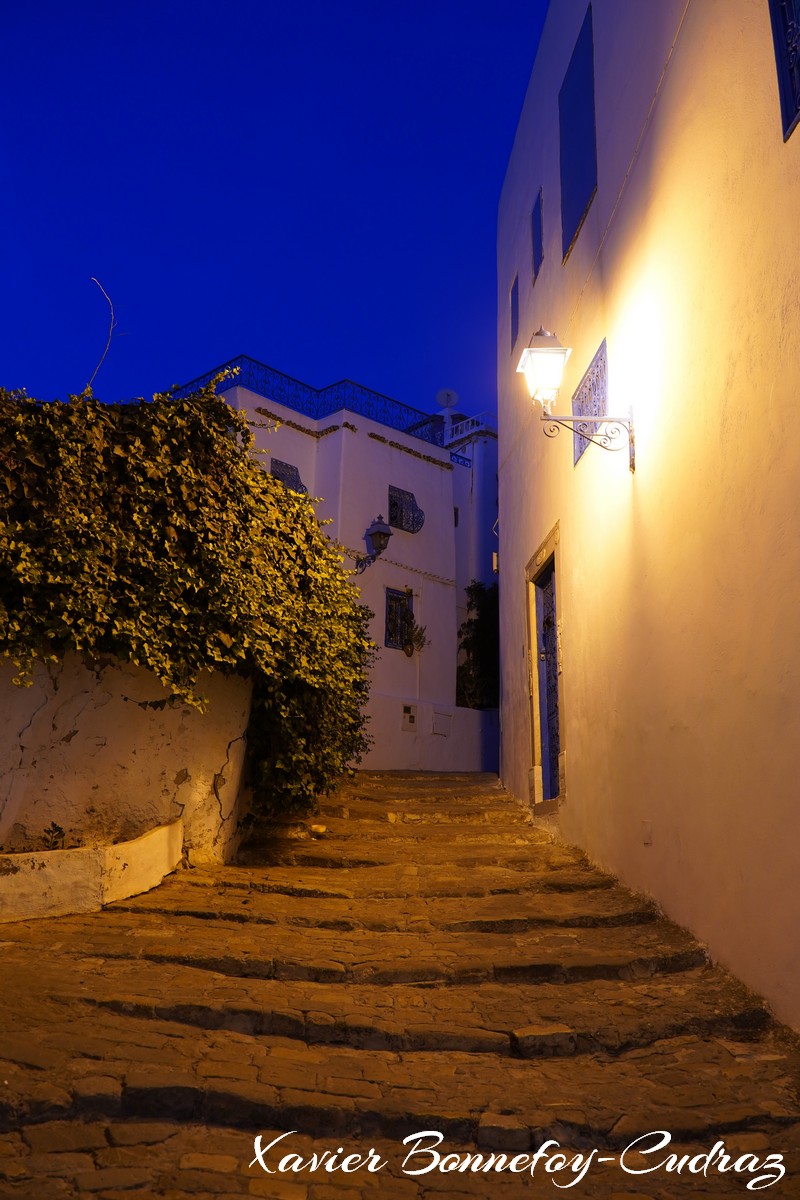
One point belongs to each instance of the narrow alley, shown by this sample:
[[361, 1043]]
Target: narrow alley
[[425, 959]]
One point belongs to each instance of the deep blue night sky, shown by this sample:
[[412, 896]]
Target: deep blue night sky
[[315, 186]]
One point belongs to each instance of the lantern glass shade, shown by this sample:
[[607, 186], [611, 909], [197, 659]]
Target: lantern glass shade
[[542, 363], [378, 535]]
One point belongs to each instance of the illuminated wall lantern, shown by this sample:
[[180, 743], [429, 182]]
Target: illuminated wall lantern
[[542, 363], [377, 539]]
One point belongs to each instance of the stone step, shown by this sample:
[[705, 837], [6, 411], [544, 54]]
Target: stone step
[[688, 1085], [403, 881], [407, 833], [138, 1159], [522, 1020], [359, 1002], [520, 856], [363, 956], [423, 816], [184, 897]]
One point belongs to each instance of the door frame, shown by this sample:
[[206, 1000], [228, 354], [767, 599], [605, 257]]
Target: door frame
[[549, 549]]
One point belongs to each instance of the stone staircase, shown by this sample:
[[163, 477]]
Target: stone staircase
[[418, 956]]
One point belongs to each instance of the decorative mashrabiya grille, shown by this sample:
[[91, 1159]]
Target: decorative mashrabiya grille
[[404, 512], [288, 475]]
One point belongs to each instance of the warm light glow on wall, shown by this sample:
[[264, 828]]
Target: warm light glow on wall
[[638, 348]]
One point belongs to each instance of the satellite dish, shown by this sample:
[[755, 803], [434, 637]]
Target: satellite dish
[[447, 398]]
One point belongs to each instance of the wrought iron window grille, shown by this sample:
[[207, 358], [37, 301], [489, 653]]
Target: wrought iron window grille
[[591, 399], [288, 475], [404, 512], [399, 618]]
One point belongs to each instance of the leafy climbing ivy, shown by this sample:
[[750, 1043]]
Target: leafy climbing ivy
[[478, 675], [147, 531]]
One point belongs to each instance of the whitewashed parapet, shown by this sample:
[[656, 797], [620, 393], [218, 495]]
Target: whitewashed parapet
[[54, 883], [101, 751]]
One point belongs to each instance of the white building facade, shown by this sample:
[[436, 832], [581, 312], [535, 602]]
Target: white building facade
[[651, 668], [433, 479]]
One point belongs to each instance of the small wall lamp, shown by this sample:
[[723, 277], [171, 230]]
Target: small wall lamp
[[377, 539], [542, 364]]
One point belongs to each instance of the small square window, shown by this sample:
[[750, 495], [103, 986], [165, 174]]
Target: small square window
[[537, 235], [514, 301], [399, 618]]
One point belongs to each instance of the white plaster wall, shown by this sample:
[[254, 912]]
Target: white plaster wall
[[293, 440], [96, 750], [475, 493], [353, 465], [442, 738], [678, 587]]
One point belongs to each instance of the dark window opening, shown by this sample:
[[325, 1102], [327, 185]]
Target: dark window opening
[[514, 298], [537, 235], [578, 140], [455, 516]]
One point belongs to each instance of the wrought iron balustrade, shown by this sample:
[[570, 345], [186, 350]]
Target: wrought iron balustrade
[[283, 389]]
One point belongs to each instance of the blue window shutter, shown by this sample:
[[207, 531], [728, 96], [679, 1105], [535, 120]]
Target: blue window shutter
[[537, 235], [578, 139], [785, 15], [514, 299]]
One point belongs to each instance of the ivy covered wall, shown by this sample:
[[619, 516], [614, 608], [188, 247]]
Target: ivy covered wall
[[147, 532]]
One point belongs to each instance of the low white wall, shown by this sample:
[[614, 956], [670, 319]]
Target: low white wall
[[423, 736], [54, 883], [101, 752]]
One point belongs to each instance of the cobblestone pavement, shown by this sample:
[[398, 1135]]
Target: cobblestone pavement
[[432, 961]]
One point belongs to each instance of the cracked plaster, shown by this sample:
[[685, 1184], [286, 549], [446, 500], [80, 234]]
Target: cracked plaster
[[100, 750]]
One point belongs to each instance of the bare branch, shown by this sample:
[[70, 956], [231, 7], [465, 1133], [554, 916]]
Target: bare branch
[[111, 329]]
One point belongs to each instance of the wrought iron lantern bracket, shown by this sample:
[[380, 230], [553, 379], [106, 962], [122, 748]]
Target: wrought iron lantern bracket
[[364, 561], [610, 433], [377, 539]]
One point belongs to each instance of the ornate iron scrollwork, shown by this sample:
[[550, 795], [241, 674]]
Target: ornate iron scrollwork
[[591, 397], [404, 512], [610, 433], [589, 421], [289, 475]]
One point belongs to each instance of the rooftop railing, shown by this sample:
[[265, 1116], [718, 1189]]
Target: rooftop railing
[[282, 389]]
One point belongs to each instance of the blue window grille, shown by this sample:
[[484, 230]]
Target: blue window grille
[[591, 398], [577, 137], [537, 235], [514, 301], [288, 475], [399, 618], [785, 16], [404, 512]]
